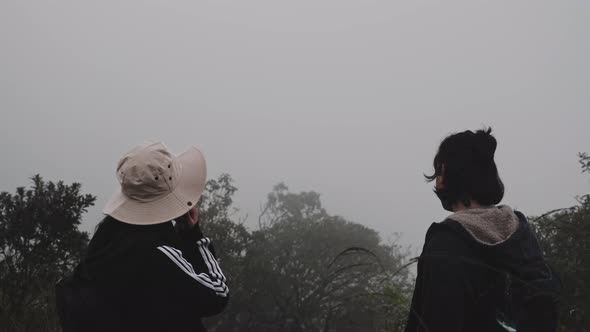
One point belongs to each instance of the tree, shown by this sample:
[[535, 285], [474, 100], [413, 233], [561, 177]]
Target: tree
[[306, 270], [39, 242], [231, 242], [564, 235], [215, 215], [302, 269], [585, 162]]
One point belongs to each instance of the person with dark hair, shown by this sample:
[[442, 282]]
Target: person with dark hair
[[481, 269], [148, 266]]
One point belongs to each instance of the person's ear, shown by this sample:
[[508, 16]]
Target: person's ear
[[440, 179], [193, 215]]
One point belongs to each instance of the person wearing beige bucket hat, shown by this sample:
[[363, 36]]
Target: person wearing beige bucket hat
[[155, 185], [148, 265]]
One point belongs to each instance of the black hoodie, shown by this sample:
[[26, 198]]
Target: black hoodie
[[143, 278], [483, 270]]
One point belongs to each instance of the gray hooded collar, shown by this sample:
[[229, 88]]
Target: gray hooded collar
[[489, 225]]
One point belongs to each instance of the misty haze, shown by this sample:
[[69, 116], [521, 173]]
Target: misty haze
[[335, 107]]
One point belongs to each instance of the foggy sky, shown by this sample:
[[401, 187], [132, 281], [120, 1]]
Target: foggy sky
[[347, 98]]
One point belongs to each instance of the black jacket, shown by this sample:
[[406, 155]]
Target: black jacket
[[464, 285], [143, 278]]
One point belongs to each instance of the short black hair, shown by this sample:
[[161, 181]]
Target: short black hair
[[470, 172]]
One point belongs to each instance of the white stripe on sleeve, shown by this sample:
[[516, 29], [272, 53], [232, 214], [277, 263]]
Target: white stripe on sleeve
[[208, 256], [214, 283]]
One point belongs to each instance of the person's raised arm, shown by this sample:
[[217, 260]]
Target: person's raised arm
[[192, 273]]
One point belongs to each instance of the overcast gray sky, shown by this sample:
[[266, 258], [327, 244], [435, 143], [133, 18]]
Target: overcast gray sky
[[349, 98]]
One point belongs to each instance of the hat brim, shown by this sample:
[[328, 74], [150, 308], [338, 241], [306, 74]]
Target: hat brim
[[186, 194]]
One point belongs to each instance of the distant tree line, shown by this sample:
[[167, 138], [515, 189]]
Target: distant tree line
[[301, 269]]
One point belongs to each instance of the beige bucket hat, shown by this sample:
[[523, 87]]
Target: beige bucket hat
[[157, 186]]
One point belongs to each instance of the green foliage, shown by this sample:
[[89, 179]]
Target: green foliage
[[231, 240], [215, 213], [564, 236], [305, 270], [585, 162], [39, 242]]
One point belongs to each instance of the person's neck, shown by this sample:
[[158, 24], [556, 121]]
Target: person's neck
[[459, 206]]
